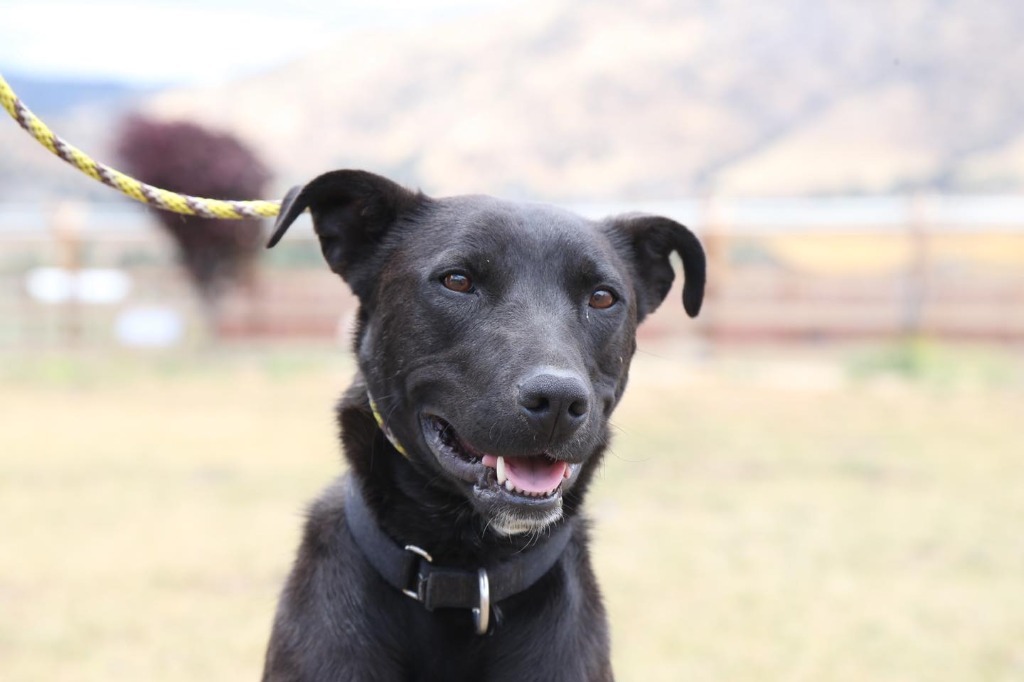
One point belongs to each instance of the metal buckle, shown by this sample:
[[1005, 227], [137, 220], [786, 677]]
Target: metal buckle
[[482, 614], [424, 554]]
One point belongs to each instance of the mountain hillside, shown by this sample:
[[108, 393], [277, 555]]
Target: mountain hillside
[[654, 99]]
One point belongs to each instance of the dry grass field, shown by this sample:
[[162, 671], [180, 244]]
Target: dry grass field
[[794, 514]]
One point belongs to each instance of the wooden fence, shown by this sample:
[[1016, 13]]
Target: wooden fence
[[947, 267]]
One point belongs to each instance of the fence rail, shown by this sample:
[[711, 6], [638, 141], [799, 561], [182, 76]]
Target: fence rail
[[950, 267]]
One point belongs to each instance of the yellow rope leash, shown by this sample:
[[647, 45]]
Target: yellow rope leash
[[147, 194]]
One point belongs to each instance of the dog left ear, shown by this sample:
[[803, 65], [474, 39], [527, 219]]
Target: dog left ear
[[649, 241], [352, 211]]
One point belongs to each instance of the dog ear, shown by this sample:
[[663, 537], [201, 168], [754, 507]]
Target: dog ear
[[352, 211], [648, 242]]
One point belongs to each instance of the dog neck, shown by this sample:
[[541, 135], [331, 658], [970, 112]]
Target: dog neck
[[412, 570]]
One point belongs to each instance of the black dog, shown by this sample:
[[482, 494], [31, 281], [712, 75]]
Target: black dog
[[493, 342]]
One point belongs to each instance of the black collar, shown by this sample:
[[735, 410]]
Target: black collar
[[411, 569]]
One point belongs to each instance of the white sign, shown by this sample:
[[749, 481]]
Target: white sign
[[100, 286]]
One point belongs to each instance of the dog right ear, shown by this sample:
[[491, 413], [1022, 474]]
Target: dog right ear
[[352, 211]]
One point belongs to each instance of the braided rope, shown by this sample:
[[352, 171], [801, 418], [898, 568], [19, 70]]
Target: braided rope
[[140, 191]]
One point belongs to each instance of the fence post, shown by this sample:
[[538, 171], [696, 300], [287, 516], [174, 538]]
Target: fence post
[[66, 224], [918, 219]]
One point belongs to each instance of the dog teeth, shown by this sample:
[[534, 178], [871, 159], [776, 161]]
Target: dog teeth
[[501, 474], [525, 493]]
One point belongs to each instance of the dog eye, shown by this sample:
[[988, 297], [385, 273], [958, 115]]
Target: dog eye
[[456, 281], [601, 299]]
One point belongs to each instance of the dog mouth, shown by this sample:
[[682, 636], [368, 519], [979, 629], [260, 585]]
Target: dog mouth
[[525, 479]]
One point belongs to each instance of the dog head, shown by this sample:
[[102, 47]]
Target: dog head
[[494, 337]]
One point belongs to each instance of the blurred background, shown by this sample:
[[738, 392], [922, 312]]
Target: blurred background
[[818, 479]]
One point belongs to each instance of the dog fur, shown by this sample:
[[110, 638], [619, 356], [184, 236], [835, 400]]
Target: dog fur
[[485, 327]]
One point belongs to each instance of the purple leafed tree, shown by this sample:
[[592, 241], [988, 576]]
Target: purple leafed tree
[[187, 158]]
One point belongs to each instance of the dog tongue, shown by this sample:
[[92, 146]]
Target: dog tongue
[[531, 474]]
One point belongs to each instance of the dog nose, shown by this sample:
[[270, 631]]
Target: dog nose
[[555, 404]]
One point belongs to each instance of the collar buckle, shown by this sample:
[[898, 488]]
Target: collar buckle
[[421, 593], [421, 582]]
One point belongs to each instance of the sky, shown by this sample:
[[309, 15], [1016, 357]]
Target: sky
[[140, 41]]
